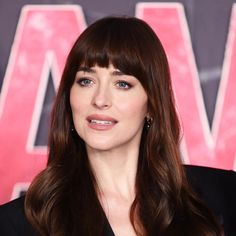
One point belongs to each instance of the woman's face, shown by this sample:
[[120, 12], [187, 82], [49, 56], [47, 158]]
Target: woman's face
[[108, 108]]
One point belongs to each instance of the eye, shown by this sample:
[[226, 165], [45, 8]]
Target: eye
[[123, 85], [84, 82]]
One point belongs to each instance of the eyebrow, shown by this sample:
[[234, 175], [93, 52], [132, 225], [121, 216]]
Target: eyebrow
[[117, 73], [86, 69], [93, 71]]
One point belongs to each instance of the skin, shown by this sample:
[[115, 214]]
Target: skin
[[109, 109]]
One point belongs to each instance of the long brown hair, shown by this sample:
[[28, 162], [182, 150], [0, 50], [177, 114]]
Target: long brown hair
[[62, 200]]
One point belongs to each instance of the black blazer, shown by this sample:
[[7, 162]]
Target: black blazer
[[216, 187], [14, 223]]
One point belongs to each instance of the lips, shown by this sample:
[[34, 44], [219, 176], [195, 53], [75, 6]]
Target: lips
[[101, 122]]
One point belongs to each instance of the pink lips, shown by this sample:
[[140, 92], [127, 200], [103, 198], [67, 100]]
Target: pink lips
[[101, 122]]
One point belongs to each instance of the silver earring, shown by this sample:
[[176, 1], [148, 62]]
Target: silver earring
[[149, 121], [72, 128]]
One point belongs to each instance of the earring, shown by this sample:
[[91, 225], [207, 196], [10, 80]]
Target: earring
[[149, 121], [72, 128]]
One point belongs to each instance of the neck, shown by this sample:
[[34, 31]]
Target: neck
[[115, 171]]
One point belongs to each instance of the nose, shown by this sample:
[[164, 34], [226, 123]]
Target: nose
[[102, 98]]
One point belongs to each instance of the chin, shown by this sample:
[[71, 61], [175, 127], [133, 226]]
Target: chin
[[99, 146]]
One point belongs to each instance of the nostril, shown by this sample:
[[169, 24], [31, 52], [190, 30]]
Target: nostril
[[101, 102]]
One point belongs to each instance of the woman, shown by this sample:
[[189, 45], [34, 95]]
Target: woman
[[114, 163]]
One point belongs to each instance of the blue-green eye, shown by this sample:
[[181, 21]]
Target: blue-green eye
[[84, 82], [123, 85]]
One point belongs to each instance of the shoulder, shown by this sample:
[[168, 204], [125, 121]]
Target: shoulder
[[209, 181], [192, 171], [12, 219], [217, 188]]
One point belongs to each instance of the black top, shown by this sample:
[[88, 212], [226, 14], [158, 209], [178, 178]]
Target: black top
[[13, 221], [216, 187]]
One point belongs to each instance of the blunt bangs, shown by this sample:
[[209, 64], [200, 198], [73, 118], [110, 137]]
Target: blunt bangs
[[117, 42]]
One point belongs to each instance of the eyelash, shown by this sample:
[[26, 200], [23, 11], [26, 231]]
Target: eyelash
[[127, 85], [83, 82]]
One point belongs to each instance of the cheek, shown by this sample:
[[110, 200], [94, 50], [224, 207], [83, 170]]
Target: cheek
[[78, 102], [134, 108], [77, 109]]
